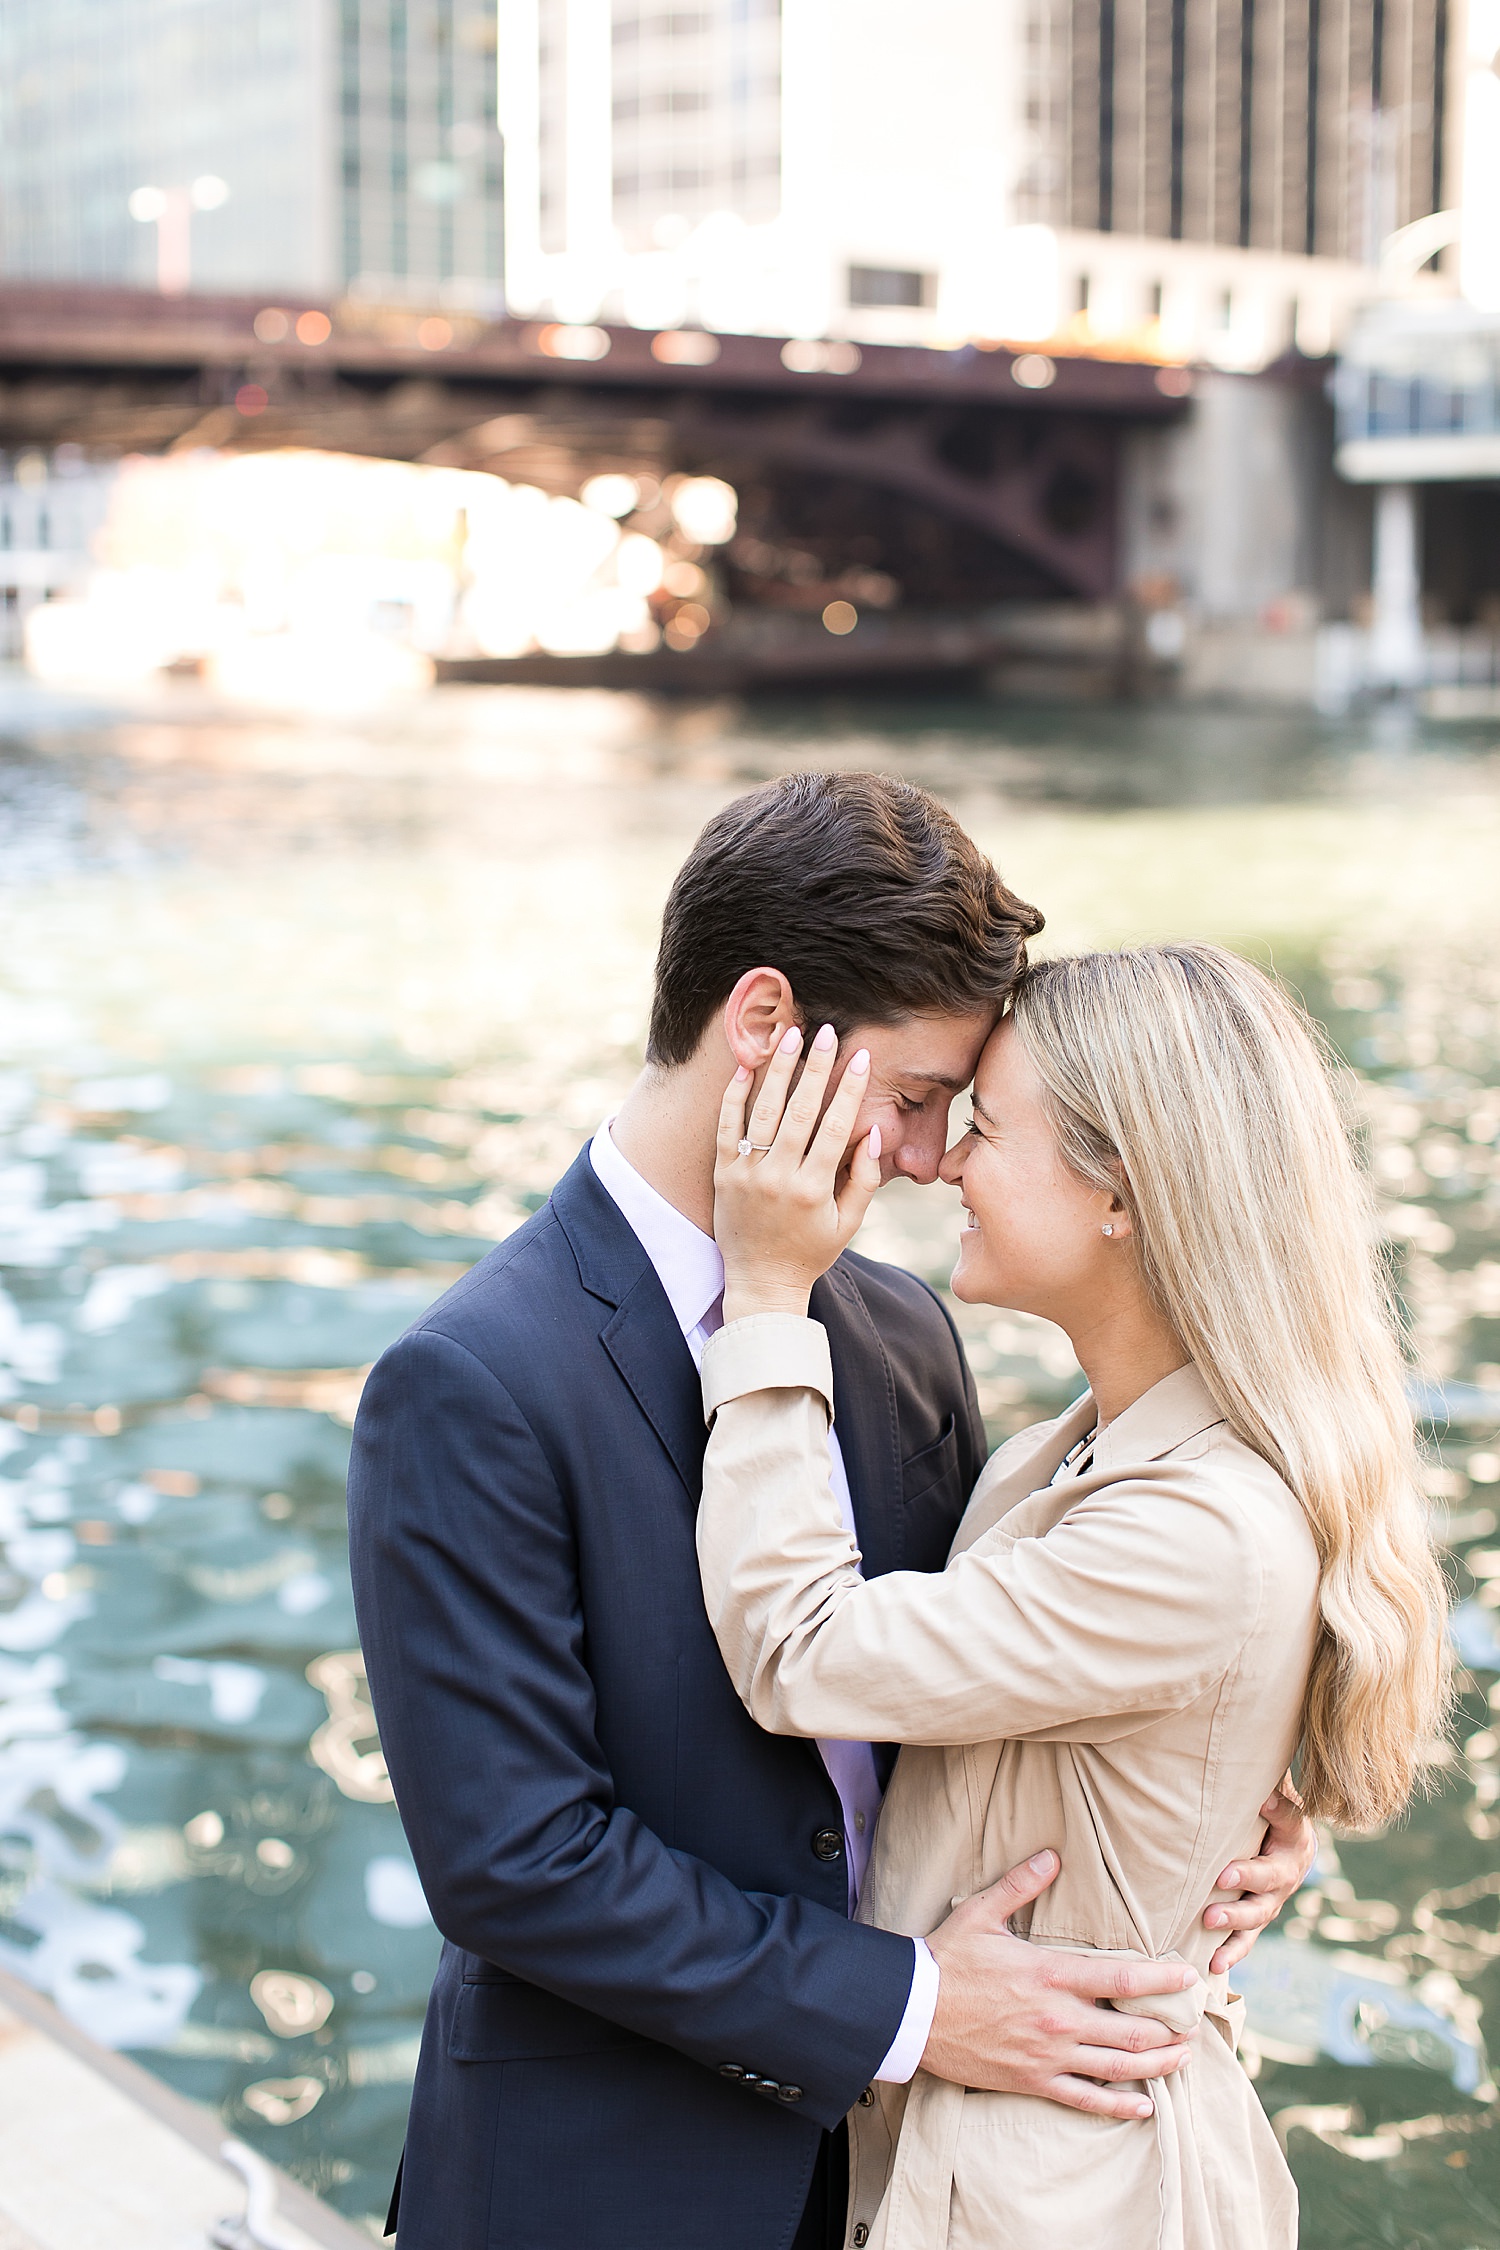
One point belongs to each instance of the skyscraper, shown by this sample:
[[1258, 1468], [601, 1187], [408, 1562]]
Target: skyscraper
[[356, 139], [418, 192], [1306, 127]]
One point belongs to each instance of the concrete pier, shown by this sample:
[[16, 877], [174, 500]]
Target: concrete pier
[[96, 2152]]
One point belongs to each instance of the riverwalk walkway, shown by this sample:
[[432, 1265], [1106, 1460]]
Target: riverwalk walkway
[[95, 2154]]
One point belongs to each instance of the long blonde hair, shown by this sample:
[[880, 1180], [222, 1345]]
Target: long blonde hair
[[1183, 1080]]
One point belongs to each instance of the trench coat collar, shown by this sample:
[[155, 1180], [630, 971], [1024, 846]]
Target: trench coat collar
[[1024, 1465], [1177, 1408]]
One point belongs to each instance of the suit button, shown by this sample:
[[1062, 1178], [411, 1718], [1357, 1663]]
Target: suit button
[[789, 2093], [860, 2236], [731, 2070], [867, 2098], [828, 1844]]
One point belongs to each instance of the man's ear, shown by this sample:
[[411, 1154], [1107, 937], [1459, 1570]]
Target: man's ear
[[757, 1012]]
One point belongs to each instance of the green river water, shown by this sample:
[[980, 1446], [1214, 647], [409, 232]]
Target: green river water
[[298, 1015]]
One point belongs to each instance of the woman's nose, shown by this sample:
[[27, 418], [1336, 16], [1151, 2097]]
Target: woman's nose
[[951, 1170]]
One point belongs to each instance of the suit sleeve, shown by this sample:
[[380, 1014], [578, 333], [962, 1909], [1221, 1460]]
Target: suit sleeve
[[1130, 1608], [467, 1595]]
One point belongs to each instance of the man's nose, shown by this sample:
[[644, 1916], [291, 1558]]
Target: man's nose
[[921, 1152]]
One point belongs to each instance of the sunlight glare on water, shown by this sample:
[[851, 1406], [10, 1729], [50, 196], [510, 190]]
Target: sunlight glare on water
[[296, 1019]]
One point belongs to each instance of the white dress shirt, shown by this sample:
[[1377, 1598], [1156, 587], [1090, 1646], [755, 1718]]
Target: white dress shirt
[[691, 1271]]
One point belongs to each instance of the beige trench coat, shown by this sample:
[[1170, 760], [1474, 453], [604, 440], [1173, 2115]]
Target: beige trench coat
[[1113, 1664]]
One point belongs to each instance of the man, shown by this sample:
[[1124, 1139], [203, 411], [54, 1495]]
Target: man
[[653, 2010]]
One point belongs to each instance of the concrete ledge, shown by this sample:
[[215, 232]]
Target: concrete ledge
[[1245, 664], [95, 2151], [1436, 457]]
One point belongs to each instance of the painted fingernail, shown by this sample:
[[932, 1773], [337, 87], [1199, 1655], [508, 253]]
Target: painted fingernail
[[827, 1037], [859, 1061], [790, 1041], [742, 1076], [875, 1142]]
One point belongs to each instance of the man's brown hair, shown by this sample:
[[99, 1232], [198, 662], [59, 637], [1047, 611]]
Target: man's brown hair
[[863, 891]]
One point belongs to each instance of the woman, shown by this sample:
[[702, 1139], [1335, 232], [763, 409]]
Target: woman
[[1214, 1561]]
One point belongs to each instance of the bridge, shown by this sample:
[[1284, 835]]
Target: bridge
[[959, 478]]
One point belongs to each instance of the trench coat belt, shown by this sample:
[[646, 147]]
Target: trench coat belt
[[918, 2199]]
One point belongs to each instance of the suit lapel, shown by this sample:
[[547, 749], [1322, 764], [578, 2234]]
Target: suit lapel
[[864, 1405], [648, 1347], [641, 1335]]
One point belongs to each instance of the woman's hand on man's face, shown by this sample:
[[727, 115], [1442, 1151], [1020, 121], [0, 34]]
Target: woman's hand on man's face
[[782, 1214]]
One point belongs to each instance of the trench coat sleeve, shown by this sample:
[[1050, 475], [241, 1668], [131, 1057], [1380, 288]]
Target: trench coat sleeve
[[1131, 1607]]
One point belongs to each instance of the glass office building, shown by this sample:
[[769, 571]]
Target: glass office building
[[356, 139]]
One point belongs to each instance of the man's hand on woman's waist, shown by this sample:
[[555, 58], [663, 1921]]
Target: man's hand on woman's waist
[[1024, 2019]]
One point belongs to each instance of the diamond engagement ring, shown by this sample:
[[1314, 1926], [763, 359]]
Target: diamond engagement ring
[[749, 1148]]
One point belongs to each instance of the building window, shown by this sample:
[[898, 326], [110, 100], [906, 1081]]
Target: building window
[[1154, 300], [1081, 294], [891, 285]]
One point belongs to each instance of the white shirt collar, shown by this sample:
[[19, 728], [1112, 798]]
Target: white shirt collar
[[687, 1261]]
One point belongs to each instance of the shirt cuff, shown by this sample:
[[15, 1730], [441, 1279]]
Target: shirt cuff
[[910, 2042]]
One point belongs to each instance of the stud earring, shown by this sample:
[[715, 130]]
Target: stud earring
[[1109, 1230]]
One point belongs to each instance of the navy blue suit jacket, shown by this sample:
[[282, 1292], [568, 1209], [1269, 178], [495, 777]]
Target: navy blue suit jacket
[[651, 1998]]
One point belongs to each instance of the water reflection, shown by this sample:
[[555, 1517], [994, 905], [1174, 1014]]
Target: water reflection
[[295, 1021]]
